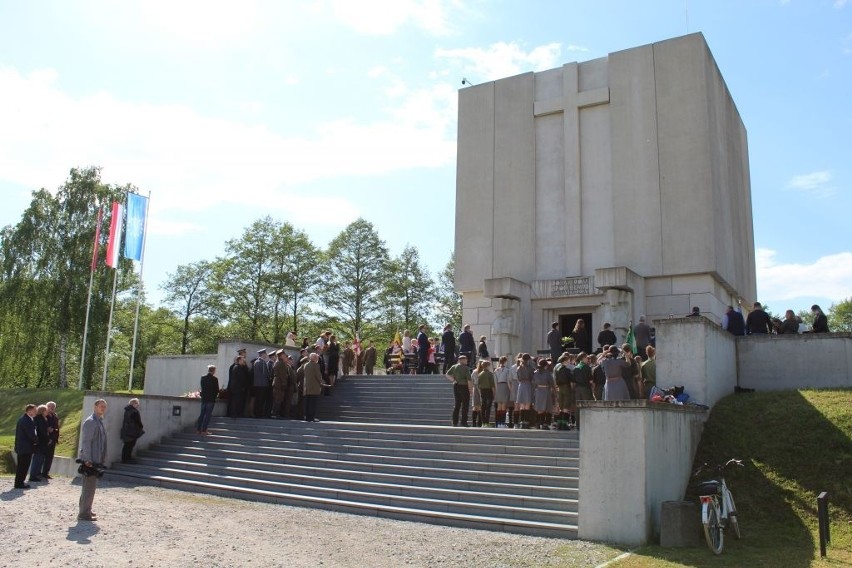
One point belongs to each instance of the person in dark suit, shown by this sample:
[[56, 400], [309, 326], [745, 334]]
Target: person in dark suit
[[26, 440], [131, 429], [369, 358], [449, 341], [606, 337], [37, 463], [554, 341], [758, 322], [467, 346], [209, 393], [422, 349], [53, 434]]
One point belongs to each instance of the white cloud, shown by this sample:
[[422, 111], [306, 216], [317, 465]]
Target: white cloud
[[377, 71], [816, 184], [827, 277], [502, 59], [839, 4], [160, 226], [385, 17], [190, 161], [194, 24]]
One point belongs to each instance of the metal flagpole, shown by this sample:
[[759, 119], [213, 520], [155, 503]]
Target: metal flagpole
[[86, 331], [139, 294], [109, 328], [89, 300]]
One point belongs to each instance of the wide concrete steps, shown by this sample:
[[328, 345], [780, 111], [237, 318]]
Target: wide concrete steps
[[497, 479], [390, 399]]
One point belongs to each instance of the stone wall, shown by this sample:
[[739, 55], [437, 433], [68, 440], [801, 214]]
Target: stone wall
[[779, 362], [174, 375], [698, 354], [634, 455], [158, 413]]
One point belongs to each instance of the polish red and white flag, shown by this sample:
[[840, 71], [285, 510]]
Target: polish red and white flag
[[96, 245], [114, 244]]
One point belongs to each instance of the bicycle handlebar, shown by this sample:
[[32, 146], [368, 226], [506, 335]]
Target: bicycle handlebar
[[718, 468]]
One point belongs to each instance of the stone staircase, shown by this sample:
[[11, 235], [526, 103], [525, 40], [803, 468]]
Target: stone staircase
[[522, 481], [390, 399]]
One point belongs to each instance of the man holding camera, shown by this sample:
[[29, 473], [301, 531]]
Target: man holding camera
[[93, 448]]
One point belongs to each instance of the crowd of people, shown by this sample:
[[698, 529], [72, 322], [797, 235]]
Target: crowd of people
[[759, 322], [275, 385], [543, 391], [36, 436]]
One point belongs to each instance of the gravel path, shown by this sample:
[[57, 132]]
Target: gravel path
[[149, 526]]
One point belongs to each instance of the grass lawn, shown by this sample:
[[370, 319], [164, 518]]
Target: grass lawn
[[795, 444], [69, 405]]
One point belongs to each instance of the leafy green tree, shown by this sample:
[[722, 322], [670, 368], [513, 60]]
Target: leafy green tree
[[297, 278], [807, 317], [840, 316], [409, 290], [44, 281], [357, 267], [190, 293], [269, 275], [448, 302]]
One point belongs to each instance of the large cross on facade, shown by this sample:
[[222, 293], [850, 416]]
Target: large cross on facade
[[569, 104]]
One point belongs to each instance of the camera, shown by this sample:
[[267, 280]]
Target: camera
[[96, 469]]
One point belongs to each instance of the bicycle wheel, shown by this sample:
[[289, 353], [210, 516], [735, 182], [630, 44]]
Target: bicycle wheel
[[712, 529], [733, 519]]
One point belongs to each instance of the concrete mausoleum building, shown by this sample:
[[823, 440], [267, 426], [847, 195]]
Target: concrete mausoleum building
[[602, 190]]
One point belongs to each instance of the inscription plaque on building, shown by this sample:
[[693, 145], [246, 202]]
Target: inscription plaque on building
[[577, 286]]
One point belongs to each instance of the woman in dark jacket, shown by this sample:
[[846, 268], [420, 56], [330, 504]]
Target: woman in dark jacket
[[40, 451], [820, 320], [581, 337], [131, 429], [482, 350]]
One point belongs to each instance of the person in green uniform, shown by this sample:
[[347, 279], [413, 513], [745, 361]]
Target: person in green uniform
[[459, 375]]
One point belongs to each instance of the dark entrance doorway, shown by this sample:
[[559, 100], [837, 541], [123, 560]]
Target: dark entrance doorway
[[566, 326]]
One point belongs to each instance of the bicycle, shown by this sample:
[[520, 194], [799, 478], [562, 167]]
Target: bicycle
[[718, 512]]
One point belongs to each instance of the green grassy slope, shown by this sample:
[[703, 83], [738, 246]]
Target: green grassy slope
[[69, 405], [794, 444]]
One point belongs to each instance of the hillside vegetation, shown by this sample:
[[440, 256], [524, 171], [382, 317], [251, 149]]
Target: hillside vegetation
[[69, 405], [794, 444]]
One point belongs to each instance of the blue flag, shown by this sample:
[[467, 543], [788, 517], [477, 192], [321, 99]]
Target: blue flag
[[137, 209]]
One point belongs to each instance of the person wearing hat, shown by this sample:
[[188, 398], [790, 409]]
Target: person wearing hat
[[544, 385], [583, 384], [615, 387], [370, 356], [524, 397], [459, 375], [239, 385], [282, 385], [260, 384], [563, 377]]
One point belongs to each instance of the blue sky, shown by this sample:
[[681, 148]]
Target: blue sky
[[318, 112]]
